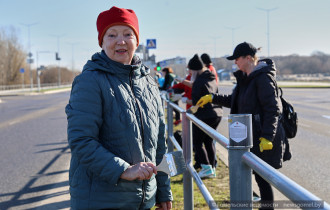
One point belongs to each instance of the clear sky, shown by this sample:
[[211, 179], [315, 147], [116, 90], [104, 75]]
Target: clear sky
[[181, 27]]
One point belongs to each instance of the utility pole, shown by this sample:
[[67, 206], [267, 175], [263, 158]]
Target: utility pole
[[29, 60], [267, 11], [39, 68]]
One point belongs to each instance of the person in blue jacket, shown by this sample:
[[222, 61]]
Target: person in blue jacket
[[116, 128]]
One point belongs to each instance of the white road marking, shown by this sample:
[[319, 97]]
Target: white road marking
[[326, 116]]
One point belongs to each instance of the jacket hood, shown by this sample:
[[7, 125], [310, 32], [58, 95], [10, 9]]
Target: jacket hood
[[264, 66], [101, 62], [207, 75]]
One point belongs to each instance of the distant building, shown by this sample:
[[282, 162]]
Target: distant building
[[178, 64]]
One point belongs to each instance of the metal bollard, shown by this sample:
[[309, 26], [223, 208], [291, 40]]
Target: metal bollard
[[240, 175], [170, 145], [188, 193]]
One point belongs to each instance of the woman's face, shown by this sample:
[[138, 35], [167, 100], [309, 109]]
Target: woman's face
[[242, 63], [119, 43]]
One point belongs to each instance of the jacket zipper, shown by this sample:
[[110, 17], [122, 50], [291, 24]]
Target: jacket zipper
[[142, 132]]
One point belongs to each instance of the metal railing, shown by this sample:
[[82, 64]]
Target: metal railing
[[241, 163]]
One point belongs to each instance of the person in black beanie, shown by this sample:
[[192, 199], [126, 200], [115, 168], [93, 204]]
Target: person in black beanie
[[204, 83], [208, 63]]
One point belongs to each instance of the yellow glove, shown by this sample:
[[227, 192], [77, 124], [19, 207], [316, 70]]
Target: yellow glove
[[265, 144], [204, 100]]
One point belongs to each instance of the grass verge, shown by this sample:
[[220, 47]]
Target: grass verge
[[218, 187]]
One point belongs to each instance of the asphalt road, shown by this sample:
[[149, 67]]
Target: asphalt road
[[34, 153], [309, 166]]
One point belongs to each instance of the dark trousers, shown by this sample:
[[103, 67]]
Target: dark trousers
[[266, 191], [205, 155]]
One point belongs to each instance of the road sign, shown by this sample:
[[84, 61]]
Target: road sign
[[22, 70], [29, 60], [151, 43]]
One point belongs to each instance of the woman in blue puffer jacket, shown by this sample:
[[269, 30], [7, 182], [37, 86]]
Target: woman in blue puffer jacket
[[116, 128]]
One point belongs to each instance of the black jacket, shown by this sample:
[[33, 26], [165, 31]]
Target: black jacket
[[204, 84], [256, 94]]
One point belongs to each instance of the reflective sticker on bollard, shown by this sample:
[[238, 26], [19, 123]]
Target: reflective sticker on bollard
[[237, 131]]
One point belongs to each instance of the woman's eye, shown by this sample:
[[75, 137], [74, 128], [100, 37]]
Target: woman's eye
[[129, 34], [111, 35]]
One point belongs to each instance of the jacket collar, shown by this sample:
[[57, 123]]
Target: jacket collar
[[100, 61], [267, 66]]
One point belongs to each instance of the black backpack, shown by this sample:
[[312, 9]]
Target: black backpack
[[288, 118]]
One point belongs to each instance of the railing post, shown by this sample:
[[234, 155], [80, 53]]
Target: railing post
[[170, 145], [240, 176], [187, 147]]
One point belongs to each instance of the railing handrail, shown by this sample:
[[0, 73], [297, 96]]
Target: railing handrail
[[288, 187], [285, 185]]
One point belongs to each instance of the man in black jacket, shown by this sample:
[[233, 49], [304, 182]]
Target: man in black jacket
[[204, 83]]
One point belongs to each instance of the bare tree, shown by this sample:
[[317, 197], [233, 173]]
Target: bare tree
[[50, 75], [12, 56]]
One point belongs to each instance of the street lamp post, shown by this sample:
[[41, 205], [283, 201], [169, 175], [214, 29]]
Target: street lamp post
[[215, 44], [232, 35], [58, 58], [30, 60], [39, 68], [267, 11], [72, 47]]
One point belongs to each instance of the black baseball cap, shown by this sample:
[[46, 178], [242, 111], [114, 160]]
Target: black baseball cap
[[243, 49]]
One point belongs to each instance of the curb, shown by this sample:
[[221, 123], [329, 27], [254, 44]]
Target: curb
[[18, 93]]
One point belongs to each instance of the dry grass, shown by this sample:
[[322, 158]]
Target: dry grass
[[218, 187]]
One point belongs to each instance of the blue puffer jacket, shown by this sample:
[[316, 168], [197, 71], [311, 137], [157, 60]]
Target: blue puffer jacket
[[115, 119]]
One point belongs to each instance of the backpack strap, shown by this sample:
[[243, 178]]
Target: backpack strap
[[278, 89]]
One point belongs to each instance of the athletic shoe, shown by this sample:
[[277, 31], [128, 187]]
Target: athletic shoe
[[255, 197], [206, 172]]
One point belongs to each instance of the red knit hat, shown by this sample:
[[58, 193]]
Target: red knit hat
[[116, 16]]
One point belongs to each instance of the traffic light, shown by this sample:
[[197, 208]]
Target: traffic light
[[157, 68], [57, 57]]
